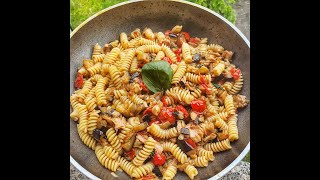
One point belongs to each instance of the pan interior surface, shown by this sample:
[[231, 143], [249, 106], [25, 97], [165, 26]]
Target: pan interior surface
[[160, 16]]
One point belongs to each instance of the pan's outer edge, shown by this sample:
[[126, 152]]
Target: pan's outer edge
[[243, 153]]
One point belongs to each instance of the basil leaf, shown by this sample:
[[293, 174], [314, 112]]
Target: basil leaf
[[157, 75]]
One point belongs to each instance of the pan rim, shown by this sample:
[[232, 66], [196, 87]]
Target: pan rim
[[245, 150]]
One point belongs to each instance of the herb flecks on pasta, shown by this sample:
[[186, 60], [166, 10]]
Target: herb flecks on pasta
[[153, 99]]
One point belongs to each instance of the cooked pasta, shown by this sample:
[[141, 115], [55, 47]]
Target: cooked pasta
[[87, 139], [114, 140], [129, 127], [200, 161], [179, 73], [170, 172], [233, 128], [191, 171], [156, 131], [176, 151], [145, 152], [110, 164], [218, 146]]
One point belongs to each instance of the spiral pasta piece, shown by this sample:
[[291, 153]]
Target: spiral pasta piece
[[159, 56], [201, 161], [222, 94], [207, 154], [83, 117], [137, 100], [74, 102], [184, 95], [114, 140], [134, 66], [87, 86], [237, 85], [196, 78], [191, 171], [160, 37], [112, 57], [124, 132], [95, 69], [186, 52], [228, 103], [143, 170], [227, 86], [215, 48], [143, 41], [124, 40], [169, 53], [87, 139], [92, 121], [100, 95], [87, 63], [90, 102], [96, 49], [145, 152], [127, 166], [74, 115], [111, 153], [179, 73], [120, 92], [233, 128], [169, 100], [155, 130], [223, 115], [149, 48], [127, 60], [176, 29], [196, 93], [218, 69], [218, 146], [170, 172], [221, 124], [110, 164], [115, 76], [175, 150], [147, 32]]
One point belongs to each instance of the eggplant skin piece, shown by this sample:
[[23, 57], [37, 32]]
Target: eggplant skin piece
[[183, 146]]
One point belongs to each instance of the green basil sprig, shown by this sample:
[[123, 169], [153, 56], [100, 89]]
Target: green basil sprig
[[157, 75]]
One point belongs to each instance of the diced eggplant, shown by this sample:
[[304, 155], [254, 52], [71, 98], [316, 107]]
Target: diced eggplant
[[183, 146], [104, 129], [182, 84], [196, 58], [96, 134], [127, 146], [134, 75], [185, 131], [173, 35], [157, 171], [146, 118]]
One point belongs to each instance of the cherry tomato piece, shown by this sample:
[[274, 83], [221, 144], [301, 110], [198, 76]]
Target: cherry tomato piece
[[159, 159], [235, 73], [191, 142], [131, 153], [78, 83], [183, 110], [167, 32], [144, 87], [167, 59], [166, 114], [198, 105], [186, 36], [164, 102]]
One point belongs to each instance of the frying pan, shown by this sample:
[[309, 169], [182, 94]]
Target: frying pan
[[199, 21]]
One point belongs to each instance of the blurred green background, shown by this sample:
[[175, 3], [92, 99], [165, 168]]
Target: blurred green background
[[80, 10]]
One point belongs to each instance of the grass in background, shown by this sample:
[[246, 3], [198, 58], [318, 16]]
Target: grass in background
[[247, 157], [80, 10]]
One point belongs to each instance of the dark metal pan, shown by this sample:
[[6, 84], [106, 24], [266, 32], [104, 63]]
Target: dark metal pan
[[107, 24]]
